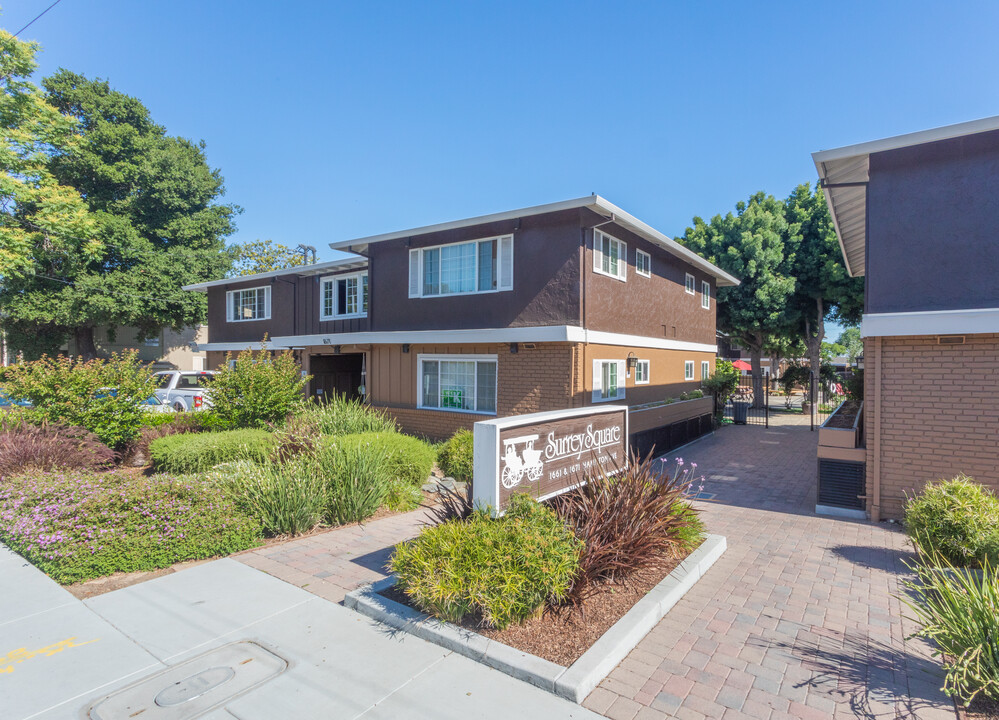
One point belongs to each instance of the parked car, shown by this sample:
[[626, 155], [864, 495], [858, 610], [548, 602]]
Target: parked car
[[7, 401], [150, 404], [184, 391]]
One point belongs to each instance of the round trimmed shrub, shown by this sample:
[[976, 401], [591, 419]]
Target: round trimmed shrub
[[455, 456], [406, 458], [199, 452], [957, 519]]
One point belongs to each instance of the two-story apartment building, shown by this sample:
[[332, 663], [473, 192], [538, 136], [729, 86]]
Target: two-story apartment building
[[916, 215], [541, 308]]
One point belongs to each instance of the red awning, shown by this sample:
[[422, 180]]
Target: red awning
[[742, 365]]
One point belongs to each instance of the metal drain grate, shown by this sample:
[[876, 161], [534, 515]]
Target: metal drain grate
[[193, 687]]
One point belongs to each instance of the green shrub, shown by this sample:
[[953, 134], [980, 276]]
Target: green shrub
[[402, 497], [455, 456], [158, 419], [957, 519], [286, 499], [255, 390], [199, 452], [956, 609], [854, 385], [340, 416], [103, 396], [354, 477], [77, 526], [405, 457], [507, 568], [723, 382]]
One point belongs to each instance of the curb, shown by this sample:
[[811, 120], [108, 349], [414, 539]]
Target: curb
[[579, 679]]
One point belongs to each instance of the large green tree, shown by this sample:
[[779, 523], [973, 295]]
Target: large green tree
[[823, 288], [851, 340], [37, 211], [263, 256], [156, 204], [750, 245]]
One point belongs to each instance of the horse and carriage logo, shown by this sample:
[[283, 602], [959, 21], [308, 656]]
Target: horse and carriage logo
[[527, 462]]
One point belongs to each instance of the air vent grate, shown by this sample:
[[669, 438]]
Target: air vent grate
[[950, 339]]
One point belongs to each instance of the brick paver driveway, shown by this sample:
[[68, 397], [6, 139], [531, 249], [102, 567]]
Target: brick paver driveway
[[797, 619]]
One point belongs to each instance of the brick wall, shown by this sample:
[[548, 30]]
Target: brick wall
[[938, 408]]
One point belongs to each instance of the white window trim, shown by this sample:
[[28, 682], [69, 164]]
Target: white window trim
[[622, 256], [598, 380], [705, 294], [705, 369], [648, 258], [689, 283], [501, 281], [466, 358], [648, 372], [360, 297], [229, 304], [688, 365]]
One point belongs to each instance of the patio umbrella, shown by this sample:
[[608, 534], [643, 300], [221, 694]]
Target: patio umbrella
[[742, 365]]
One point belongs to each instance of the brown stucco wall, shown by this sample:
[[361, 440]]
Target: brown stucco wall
[[656, 306], [938, 413]]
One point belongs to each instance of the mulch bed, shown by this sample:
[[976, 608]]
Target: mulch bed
[[981, 709], [564, 636], [844, 416]]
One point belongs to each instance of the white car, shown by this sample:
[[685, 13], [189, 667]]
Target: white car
[[183, 390]]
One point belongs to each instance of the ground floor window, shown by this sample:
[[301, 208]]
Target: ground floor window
[[608, 380], [688, 370], [642, 372], [705, 370], [458, 382]]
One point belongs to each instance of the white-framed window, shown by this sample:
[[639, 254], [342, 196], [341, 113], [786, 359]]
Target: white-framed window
[[642, 372], [689, 285], [344, 296], [643, 263], [688, 370], [478, 266], [152, 342], [610, 256], [608, 380], [705, 295], [459, 383], [705, 369], [249, 304]]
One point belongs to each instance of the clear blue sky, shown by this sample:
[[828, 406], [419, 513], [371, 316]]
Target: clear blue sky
[[337, 120]]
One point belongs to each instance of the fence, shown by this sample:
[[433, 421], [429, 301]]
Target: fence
[[751, 405]]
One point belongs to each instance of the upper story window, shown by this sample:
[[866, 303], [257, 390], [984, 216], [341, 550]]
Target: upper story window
[[688, 370], [249, 304], [643, 263], [689, 284], [610, 256], [705, 295], [480, 266], [705, 370], [642, 372], [344, 296]]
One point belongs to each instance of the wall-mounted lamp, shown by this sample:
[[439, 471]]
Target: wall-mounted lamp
[[632, 361], [514, 348], [405, 347], [336, 349]]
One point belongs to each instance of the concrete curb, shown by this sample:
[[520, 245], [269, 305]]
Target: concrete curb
[[579, 679]]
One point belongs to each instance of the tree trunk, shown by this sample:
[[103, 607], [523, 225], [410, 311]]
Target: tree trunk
[[813, 344], [755, 360], [86, 348]]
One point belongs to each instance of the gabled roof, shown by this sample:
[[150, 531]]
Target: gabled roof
[[344, 264], [844, 173], [593, 202]]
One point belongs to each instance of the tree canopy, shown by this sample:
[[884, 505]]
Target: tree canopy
[[155, 205], [37, 209], [263, 256]]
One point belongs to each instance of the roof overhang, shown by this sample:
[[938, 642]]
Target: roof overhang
[[593, 202], [845, 172], [341, 265]]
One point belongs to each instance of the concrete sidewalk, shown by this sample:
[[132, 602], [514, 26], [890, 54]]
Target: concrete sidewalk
[[58, 655]]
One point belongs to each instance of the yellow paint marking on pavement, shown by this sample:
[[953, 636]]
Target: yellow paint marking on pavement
[[16, 657]]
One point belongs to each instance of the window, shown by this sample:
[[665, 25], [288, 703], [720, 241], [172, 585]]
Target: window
[[479, 266], [250, 304], [705, 370], [689, 283], [642, 372], [152, 342], [344, 296], [610, 256], [705, 295], [643, 263], [688, 370], [608, 380], [463, 383]]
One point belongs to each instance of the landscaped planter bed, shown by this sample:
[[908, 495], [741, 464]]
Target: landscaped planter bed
[[565, 655]]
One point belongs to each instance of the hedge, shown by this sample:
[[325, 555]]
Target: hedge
[[193, 453]]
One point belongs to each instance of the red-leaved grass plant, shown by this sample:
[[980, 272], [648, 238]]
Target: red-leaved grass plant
[[27, 448], [628, 521]]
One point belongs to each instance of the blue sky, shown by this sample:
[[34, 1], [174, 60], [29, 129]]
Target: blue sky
[[337, 120]]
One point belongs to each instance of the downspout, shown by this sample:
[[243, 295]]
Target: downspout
[[876, 475], [585, 269]]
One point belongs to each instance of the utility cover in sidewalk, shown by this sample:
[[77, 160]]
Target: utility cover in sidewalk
[[193, 687]]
